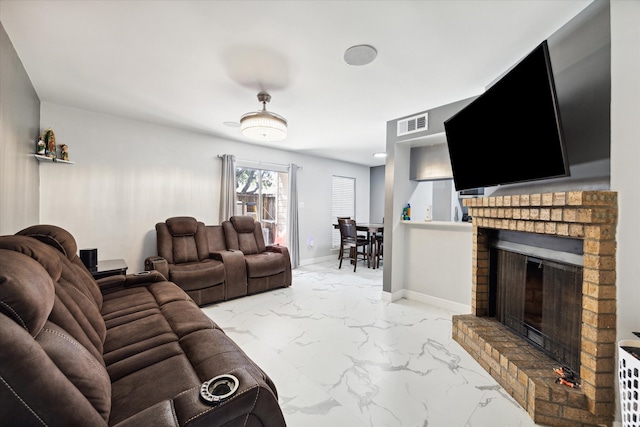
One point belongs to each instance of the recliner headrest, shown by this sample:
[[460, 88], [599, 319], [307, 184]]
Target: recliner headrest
[[243, 223], [54, 236], [46, 255], [182, 226], [27, 292]]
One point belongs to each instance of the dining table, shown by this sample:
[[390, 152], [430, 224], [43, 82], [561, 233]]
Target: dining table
[[372, 229]]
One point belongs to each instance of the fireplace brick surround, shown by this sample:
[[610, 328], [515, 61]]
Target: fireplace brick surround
[[525, 372]]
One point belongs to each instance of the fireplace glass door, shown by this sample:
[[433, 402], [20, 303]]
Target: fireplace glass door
[[542, 301]]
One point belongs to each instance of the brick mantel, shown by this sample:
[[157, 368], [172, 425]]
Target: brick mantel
[[587, 215]]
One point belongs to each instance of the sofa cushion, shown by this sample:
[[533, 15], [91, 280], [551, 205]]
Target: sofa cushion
[[192, 276], [215, 238], [29, 305], [182, 239], [53, 236], [243, 223], [82, 369], [182, 226], [45, 255], [23, 282], [265, 264], [60, 239], [33, 390]]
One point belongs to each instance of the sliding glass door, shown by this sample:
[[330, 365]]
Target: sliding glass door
[[262, 194]]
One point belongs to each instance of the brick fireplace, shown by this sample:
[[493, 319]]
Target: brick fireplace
[[523, 370]]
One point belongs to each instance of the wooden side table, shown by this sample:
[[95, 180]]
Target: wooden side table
[[109, 267]]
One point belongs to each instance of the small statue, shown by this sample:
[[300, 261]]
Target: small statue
[[41, 147], [50, 142], [64, 152]]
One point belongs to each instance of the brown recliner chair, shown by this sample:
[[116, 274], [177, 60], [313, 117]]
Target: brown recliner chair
[[194, 255], [268, 267]]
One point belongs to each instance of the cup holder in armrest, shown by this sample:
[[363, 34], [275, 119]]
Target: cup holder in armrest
[[219, 389]]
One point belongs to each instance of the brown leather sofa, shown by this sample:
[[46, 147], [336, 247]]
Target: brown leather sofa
[[191, 255], [214, 263], [129, 350]]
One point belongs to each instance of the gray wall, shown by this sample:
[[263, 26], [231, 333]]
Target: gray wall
[[580, 54], [581, 60], [376, 200], [19, 128]]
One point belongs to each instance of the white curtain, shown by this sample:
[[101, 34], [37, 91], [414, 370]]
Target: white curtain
[[228, 190], [293, 240]]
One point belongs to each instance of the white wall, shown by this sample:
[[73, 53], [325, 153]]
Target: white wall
[[19, 117], [438, 257], [128, 175], [625, 158]]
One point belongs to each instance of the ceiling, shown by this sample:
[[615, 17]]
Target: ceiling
[[198, 64]]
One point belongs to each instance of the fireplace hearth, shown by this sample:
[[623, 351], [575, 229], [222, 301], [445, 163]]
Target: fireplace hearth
[[516, 349]]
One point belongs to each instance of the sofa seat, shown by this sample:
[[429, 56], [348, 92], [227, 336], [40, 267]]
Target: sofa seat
[[166, 333], [193, 276], [134, 351], [265, 264]]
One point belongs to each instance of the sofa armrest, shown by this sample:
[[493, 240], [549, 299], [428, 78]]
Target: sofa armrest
[[157, 263], [235, 272], [120, 281], [277, 248], [284, 251]]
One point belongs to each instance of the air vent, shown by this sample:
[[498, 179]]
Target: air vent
[[413, 124]]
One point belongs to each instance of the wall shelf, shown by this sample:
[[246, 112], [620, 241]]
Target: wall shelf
[[444, 225], [49, 159]]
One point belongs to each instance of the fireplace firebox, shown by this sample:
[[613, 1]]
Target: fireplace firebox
[[535, 289]]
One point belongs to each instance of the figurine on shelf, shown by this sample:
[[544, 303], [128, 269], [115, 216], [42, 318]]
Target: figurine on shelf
[[64, 152], [41, 147], [50, 140]]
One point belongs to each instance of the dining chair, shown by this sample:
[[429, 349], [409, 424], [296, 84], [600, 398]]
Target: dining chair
[[356, 244], [341, 246]]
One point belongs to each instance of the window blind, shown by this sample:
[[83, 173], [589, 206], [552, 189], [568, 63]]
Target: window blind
[[343, 203]]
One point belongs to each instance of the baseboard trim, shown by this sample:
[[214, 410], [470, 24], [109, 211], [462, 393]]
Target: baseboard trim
[[310, 261], [392, 296], [448, 305]]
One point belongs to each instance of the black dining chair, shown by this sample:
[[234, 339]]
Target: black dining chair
[[341, 247], [357, 245]]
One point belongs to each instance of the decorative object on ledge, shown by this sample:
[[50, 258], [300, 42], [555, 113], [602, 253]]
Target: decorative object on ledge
[[46, 148], [41, 147], [64, 152], [49, 139], [263, 125]]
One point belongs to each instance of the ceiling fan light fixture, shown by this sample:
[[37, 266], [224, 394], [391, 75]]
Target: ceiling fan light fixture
[[263, 125]]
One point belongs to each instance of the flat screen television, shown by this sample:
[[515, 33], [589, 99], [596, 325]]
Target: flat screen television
[[512, 132]]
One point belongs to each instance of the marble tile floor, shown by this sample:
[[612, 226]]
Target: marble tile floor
[[342, 357]]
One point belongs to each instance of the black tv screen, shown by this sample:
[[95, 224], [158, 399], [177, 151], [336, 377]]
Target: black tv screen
[[512, 132]]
